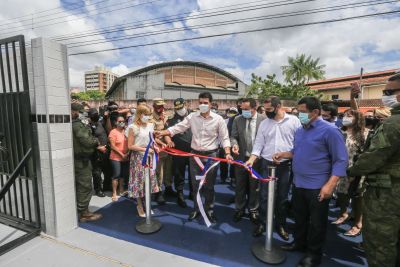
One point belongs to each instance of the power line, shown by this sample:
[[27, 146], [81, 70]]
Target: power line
[[47, 10], [86, 16], [65, 36], [236, 21], [207, 15], [242, 32]]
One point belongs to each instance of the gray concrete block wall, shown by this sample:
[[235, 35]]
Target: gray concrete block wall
[[48, 65]]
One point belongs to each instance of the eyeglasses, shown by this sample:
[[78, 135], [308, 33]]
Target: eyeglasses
[[390, 91], [204, 103]]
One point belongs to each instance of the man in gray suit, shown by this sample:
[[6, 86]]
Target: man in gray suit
[[244, 130]]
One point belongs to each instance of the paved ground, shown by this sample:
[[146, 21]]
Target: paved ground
[[85, 248]]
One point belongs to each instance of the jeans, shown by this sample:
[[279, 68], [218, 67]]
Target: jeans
[[208, 187]]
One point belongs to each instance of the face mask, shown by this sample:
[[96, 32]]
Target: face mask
[[160, 109], [121, 124], [271, 114], [214, 110], [181, 112], [246, 114], [133, 111], [95, 118], [145, 118], [371, 121], [304, 119], [347, 121], [389, 100], [204, 108]]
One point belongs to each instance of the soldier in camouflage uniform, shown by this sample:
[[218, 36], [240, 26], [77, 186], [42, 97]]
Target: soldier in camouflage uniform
[[85, 145], [164, 166], [380, 163]]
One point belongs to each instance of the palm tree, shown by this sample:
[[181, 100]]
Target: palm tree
[[302, 69]]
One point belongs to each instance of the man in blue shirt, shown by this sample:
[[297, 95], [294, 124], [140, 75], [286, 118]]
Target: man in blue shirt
[[319, 160]]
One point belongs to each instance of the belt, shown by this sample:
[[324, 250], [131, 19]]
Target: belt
[[207, 152], [282, 163]]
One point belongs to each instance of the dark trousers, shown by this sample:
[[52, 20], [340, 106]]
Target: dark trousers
[[208, 188], [247, 190], [311, 219], [179, 166], [282, 172], [226, 170], [101, 166]]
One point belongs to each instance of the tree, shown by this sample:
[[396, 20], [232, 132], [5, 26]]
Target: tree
[[89, 95], [262, 88], [302, 69]]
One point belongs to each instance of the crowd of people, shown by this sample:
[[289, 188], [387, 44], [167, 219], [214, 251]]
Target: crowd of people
[[319, 155]]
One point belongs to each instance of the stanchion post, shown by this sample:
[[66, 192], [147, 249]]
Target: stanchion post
[[148, 225], [266, 251]]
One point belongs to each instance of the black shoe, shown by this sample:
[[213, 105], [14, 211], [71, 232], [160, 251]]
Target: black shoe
[[283, 233], [193, 215], [100, 193], [181, 200], [211, 216], [254, 217], [293, 247], [238, 215], [160, 198], [258, 230], [169, 192], [309, 261]]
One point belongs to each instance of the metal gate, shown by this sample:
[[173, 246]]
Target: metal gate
[[19, 203]]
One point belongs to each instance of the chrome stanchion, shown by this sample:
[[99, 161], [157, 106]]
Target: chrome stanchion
[[148, 225], [266, 251]]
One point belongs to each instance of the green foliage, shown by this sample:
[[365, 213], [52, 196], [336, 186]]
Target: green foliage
[[297, 73], [89, 95], [302, 69]]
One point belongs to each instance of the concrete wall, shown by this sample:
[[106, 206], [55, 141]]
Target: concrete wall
[[50, 104], [153, 85]]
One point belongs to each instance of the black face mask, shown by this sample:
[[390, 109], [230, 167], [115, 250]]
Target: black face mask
[[371, 122], [239, 109], [271, 115], [95, 118]]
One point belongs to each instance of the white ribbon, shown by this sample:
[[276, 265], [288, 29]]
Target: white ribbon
[[202, 179]]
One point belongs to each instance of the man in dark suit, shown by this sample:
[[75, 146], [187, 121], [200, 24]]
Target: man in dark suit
[[244, 130]]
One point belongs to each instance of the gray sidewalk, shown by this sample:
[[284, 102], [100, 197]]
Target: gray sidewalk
[[83, 248]]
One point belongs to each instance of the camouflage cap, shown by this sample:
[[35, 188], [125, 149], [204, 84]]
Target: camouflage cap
[[158, 102], [179, 103], [76, 107]]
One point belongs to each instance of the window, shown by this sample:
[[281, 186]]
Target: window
[[140, 94], [335, 97]]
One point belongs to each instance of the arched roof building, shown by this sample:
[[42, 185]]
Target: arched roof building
[[175, 79]]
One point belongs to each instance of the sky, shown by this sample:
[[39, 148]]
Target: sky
[[89, 25]]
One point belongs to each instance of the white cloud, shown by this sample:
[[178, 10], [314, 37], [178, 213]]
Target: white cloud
[[121, 70]]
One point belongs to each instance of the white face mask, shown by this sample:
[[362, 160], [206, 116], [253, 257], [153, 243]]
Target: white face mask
[[389, 100], [347, 121], [204, 108], [145, 119], [181, 112]]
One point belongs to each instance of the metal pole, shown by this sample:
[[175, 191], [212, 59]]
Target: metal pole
[[148, 225], [147, 195], [270, 212], [266, 251]]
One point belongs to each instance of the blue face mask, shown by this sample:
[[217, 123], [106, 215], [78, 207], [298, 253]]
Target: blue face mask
[[303, 117], [246, 114]]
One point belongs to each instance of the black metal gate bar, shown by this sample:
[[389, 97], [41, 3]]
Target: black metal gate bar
[[19, 200]]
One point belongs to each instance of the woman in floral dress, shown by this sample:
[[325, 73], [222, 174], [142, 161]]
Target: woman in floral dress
[[138, 138], [354, 125]]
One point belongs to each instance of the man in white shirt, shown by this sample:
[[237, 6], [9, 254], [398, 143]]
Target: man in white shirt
[[209, 131], [243, 135], [276, 134]]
